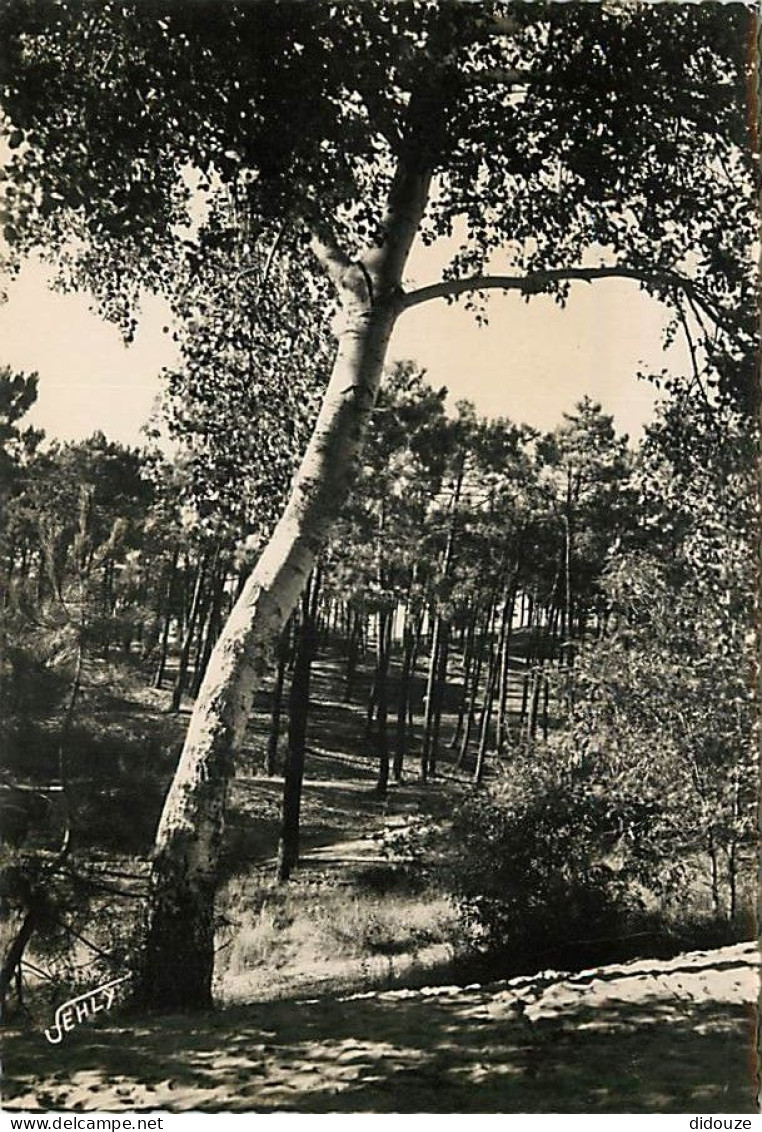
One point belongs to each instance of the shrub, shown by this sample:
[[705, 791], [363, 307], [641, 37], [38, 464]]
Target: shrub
[[545, 864]]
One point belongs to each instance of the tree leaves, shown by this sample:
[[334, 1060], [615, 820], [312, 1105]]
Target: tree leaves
[[665, 706], [573, 131]]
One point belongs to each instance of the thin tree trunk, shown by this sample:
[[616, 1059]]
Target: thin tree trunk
[[212, 630], [6, 581], [568, 629], [271, 761], [468, 655], [439, 691], [545, 649], [178, 956], [107, 589], [404, 707], [186, 593], [504, 669], [15, 951], [474, 693], [432, 713], [370, 708], [545, 699], [712, 850], [489, 695], [202, 621], [190, 628], [298, 714], [382, 700], [428, 710], [529, 658], [403, 696], [537, 683], [353, 651], [413, 672], [733, 852], [485, 718]]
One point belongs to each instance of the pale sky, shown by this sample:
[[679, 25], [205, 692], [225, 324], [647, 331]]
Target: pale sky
[[530, 364]]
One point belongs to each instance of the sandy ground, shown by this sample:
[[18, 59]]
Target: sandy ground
[[644, 1036]]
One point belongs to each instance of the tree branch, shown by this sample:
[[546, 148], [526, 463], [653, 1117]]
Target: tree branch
[[694, 363], [539, 282], [382, 115], [330, 256]]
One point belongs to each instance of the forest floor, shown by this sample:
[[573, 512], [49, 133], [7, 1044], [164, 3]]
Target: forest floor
[[329, 986], [646, 1036]]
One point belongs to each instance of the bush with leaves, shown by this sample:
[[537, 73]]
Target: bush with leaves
[[548, 864], [667, 701]]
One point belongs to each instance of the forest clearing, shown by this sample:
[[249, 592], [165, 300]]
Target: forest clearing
[[371, 739]]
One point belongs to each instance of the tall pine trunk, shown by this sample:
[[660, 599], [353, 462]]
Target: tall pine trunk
[[177, 961]]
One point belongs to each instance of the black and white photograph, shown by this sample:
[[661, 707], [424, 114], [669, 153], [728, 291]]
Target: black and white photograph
[[379, 558]]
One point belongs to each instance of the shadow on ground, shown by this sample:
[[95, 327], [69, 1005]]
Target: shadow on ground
[[441, 1050]]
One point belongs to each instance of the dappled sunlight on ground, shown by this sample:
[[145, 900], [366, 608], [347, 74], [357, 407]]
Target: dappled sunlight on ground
[[649, 1036]]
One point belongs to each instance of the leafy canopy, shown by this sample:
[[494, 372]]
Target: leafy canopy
[[560, 136]]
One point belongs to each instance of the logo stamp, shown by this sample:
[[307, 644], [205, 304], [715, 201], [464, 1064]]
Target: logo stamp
[[77, 1010]]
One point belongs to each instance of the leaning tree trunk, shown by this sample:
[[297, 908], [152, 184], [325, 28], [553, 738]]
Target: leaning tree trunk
[[178, 956], [10, 967]]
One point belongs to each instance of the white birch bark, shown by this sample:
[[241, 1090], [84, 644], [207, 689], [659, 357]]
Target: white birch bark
[[178, 956]]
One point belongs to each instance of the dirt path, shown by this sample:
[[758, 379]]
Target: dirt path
[[646, 1036]]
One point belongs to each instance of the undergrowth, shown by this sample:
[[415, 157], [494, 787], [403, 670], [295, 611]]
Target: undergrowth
[[307, 926]]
